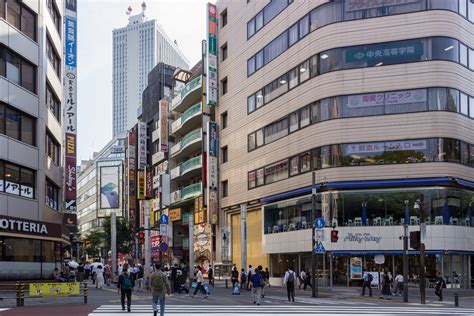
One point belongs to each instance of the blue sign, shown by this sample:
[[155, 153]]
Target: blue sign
[[71, 5], [164, 219], [319, 248], [71, 42], [164, 247], [212, 139], [319, 223]]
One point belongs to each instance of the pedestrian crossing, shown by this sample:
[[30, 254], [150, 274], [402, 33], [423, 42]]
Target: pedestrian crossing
[[319, 301], [294, 310]]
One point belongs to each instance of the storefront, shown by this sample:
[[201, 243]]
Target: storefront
[[369, 224], [30, 249]]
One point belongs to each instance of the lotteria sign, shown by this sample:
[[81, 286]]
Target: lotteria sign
[[29, 227]]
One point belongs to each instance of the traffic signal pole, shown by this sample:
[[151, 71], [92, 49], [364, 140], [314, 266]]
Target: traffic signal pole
[[422, 254], [314, 258], [405, 252]]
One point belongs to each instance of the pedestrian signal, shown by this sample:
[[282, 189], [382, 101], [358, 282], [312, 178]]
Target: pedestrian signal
[[334, 236], [415, 239]]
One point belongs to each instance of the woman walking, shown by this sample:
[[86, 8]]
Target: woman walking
[[386, 291], [99, 277]]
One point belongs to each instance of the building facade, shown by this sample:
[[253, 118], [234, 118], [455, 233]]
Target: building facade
[[31, 138], [377, 100], [137, 48]]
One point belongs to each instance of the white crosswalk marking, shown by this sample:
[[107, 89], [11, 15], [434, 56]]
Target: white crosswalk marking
[[293, 310], [319, 301]]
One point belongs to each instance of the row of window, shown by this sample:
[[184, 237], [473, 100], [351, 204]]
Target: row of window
[[53, 57], [372, 55], [271, 10], [17, 69], [52, 195], [55, 15], [361, 105], [20, 16], [17, 125], [53, 103], [362, 154], [17, 180], [339, 11], [53, 149]]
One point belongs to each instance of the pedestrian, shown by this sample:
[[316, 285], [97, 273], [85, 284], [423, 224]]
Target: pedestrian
[[120, 269], [125, 284], [302, 278], [159, 287], [67, 272], [267, 277], [249, 275], [307, 281], [99, 277], [234, 276], [94, 270], [440, 284], [399, 284], [257, 285], [243, 280], [386, 292], [199, 281], [262, 276], [56, 274], [87, 271], [80, 273], [289, 280], [174, 278], [140, 274], [210, 276], [366, 282], [108, 274]]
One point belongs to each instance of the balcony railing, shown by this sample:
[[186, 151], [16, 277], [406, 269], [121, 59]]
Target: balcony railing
[[186, 140], [188, 114], [190, 164], [193, 84], [185, 193]]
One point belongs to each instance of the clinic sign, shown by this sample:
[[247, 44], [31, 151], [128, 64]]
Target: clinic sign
[[356, 5], [387, 98], [211, 58]]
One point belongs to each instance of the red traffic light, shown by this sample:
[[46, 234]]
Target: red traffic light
[[141, 237], [334, 236]]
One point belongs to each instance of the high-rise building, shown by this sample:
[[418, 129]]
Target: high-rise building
[[31, 138], [376, 98], [137, 48]]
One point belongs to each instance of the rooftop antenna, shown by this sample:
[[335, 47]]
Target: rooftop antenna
[[143, 8], [129, 11]]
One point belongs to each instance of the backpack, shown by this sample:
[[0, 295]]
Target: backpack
[[291, 277], [370, 277], [127, 282], [158, 282]]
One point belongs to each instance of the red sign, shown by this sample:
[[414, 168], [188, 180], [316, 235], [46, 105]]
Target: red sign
[[70, 173], [149, 183]]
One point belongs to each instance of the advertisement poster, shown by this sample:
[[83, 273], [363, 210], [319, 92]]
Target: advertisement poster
[[70, 173], [142, 145], [211, 84], [109, 187], [356, 268], [54, 289], [163, 126]]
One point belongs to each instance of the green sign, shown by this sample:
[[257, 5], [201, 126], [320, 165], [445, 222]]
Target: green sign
[[386, 51], [212, 44]]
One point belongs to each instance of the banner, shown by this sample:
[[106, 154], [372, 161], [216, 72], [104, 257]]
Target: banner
[[132, 181], [142, 140], [54, 289], [211, 72], [141, 185], [70, 173], [109, 187], [70, 221], [149, 183], [164, 126], [356, 268]]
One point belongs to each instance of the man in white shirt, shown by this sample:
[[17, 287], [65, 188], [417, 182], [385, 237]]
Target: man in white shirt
[[289, 280], [302, 278], [399, 284]]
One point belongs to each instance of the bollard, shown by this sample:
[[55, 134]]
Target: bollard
[[456, 299], [18, 301], [226, 283], [22, 294], [86, 292]]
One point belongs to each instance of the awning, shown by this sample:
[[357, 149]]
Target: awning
[[288, 194], [398, 252], [35, 237]]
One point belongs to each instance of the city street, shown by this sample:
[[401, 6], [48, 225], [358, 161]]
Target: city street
[[340, 300]]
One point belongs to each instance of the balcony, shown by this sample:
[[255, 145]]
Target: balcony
[[190, 94], [190, 143], [186, 193], [189, 168], [185, 122]]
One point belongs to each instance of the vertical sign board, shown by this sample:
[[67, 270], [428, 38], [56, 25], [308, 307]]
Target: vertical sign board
[[70, 106], [142, 140], [149, 183], [132, 197], [164, 126], [211, 75], [141, 185], [212, 179]]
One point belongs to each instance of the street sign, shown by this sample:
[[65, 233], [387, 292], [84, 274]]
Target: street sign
[[319, 223], [164, 219], [164, 247], [319, 234], [319, 248], [163, 230]]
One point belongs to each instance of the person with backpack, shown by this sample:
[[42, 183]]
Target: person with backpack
[[125, 284], [366, 282], [289, 280], [440, 284], [234, 276], [257, 285], [249, 276], [243, 279], [159, 288], [200, 281]]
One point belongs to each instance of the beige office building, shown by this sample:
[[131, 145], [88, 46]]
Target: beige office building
[[377, 98]]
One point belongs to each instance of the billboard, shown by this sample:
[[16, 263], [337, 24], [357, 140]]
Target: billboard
[[109, 187], [211, 52], [212, 177], [70, 173], [141, 185], [164, 126], [142, 140]]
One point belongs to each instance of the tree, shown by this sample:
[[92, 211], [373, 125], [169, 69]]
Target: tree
[[124, 237], [95, 240]]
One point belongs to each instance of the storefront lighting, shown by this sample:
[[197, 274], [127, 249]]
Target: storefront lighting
[[379, 64], [324, 56], [8, 175], [448, 48]]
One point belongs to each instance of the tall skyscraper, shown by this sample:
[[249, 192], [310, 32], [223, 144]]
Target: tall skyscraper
[[137, 48]]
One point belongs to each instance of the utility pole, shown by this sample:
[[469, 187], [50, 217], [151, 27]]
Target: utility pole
[[147, 239], [314, 258], [422, 252], [405, 251], [113, 242], [191, 250]]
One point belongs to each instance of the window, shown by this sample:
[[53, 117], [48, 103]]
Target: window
[[224, 18], [53, 56], [304, 26], [250, 28], [464, 104], [17, 125], [17, 180], [52, 148], [224, 120], [20, 17], [471, 107], [225, 189], [276, 171], [293, 78], [224, 85], [293, 34], [224, 51], [259, 21], [294, 122], [304, 71], [305, 116], [251, 103], [52, 195], [270, 11], [224, 152], [275, 48], [55, 16], [252, 183], [13, 68], [17, 69], [276, 131], [53, 103]]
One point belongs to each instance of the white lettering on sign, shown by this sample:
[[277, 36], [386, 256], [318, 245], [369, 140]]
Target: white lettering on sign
[[22, 226], [360, 237]]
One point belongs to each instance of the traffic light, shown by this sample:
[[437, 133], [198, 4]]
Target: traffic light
[[415, 239], [141, 237], [334, 236]]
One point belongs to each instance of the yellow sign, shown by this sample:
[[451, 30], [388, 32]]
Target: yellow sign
[[141, 185], [54, 289], [152, 214], [175, 214]]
